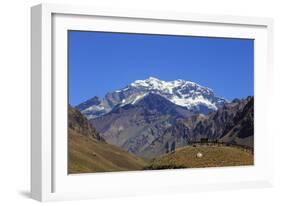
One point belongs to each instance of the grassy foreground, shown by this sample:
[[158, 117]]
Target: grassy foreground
[[212, 156]]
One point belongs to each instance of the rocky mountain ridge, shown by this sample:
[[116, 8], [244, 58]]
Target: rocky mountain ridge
[[192, 96], [234, 123]]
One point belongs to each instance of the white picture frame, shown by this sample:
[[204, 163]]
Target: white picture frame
[[49, 178]]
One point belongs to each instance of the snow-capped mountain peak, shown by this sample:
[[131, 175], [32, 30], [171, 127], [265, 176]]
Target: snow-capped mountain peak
[[151, 82], [188, 94]]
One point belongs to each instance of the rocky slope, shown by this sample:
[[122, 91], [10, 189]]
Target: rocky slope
[[78, 123], [234, 123], [135, 126], [154, 124]]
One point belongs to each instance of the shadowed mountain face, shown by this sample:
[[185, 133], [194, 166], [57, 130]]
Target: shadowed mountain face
[[154, 124], [242, 128], [135, 126]]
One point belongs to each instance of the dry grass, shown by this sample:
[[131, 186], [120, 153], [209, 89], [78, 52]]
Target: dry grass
[[213, 156], [89, 155]]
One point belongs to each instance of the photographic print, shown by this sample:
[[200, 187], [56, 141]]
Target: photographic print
[[151, 102]]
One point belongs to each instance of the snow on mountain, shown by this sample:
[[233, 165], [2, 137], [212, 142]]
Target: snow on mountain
[[188, 94]]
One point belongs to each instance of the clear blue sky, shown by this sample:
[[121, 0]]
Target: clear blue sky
[[102, 62]]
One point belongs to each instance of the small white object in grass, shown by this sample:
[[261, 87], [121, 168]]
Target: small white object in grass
[[199, 155]]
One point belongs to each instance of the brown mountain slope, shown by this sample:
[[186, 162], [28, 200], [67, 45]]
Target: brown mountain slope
[[77, 122], [91, 155], [88, 152]]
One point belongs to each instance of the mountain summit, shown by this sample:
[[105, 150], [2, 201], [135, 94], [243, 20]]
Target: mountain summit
[[189, 95]]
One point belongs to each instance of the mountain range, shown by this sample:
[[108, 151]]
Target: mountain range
[[233, 124], [190, 95], [149, 116]]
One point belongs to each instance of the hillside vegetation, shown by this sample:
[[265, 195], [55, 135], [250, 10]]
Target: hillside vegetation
[[91, 155], [212, 156]]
